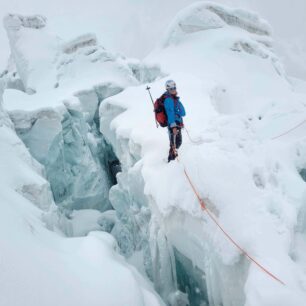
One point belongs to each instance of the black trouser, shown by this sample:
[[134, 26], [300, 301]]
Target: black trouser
[[175, 142]]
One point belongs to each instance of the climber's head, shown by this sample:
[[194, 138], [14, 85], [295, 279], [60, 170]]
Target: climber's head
[[171, 87]]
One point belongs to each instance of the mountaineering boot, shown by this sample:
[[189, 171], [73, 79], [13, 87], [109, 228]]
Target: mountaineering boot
[[172, 154]]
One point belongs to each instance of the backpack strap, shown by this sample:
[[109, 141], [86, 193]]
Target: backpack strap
[[167, 95]]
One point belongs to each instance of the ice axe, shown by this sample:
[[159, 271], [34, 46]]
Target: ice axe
[[148, 89]]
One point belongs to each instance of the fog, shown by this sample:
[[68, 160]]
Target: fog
[[120, 25]]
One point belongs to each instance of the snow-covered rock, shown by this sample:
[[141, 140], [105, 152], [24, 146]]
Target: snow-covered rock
[[237, 98]]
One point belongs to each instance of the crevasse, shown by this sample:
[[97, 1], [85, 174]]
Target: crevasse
[[172, 250]]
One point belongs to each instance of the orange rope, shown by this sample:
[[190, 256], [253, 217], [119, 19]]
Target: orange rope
[[212, 217]]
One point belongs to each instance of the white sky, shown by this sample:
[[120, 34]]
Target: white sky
[[132, 27]]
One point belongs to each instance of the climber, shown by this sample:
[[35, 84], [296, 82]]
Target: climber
[[169, 111], [175, 111]]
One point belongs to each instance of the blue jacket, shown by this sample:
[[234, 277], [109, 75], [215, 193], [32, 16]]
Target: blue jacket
[[174, 110]]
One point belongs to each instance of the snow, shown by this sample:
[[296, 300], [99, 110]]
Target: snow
[[31, 65], [73, 108], [236, 101], [40, 267], [199, 17], [39, 264], [56, 118]]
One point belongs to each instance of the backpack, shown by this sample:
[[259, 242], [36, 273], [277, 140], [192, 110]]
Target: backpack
[[160, 112]]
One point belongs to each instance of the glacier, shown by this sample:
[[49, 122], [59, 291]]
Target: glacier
[[62, 131], [41, 267], [238, 97], [99, 183]]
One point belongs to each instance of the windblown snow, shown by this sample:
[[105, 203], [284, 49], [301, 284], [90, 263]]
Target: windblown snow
[[87, 197]]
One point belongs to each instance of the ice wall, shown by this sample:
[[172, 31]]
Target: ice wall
[[42, 267], [59, 122], [37, 74], [172, 249], [71, 151], [4, 119], [36, 190]]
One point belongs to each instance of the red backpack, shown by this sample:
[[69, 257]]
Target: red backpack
[[160, 112]]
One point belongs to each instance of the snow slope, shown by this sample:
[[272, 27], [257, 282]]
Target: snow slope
[[237, 98]]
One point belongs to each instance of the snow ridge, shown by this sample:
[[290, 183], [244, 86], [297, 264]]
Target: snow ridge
[[208, 15]]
